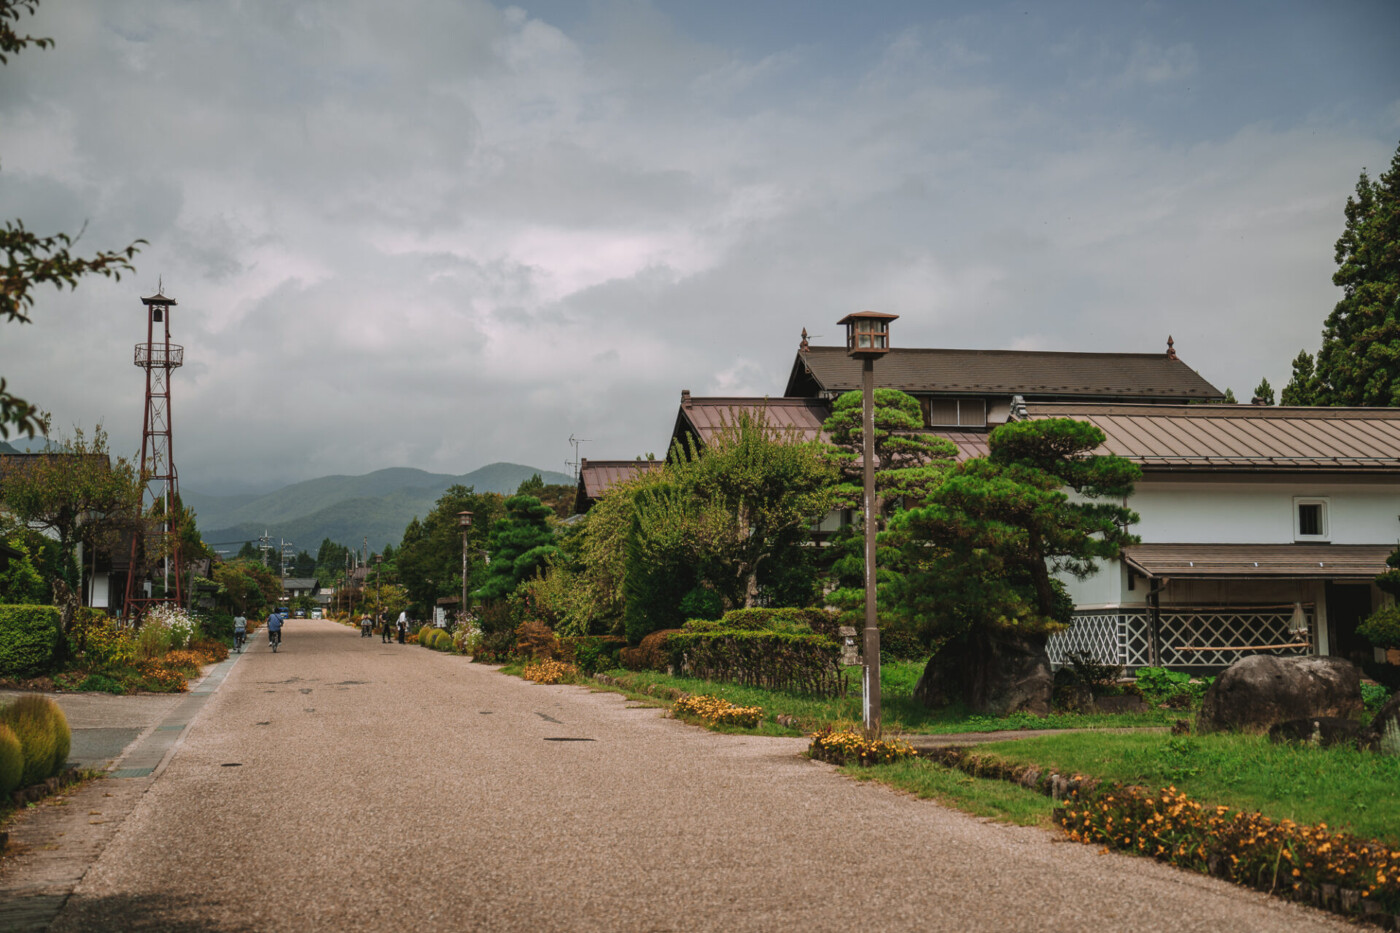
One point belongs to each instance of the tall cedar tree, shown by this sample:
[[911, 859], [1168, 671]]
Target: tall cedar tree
[[32, 260], [982, 553], [521, 545], [1359, 362]]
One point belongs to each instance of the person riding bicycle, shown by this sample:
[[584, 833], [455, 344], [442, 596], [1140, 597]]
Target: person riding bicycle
[[240, 631], [274, 628]]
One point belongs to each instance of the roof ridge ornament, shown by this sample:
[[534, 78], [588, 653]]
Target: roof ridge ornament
[[802, 347], [1171, 348], [1018, 409]]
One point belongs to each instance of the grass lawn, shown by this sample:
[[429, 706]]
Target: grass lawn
[[998, 800], [1346, 789], [900, 712]]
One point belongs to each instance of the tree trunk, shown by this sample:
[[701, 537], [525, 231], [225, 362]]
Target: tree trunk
[[992, 674]]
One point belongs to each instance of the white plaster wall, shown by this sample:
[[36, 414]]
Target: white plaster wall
[[1108, 587], [1261, 513]]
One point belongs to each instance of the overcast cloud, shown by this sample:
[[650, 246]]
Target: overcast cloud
[[441, 233]]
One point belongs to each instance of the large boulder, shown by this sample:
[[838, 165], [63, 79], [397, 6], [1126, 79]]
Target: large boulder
[[993, 674], [1256, 692]]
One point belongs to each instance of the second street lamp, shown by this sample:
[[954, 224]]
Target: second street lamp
[[464, 519], [867, 339]]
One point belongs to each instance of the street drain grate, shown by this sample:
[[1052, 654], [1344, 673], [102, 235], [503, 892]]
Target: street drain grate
[[567, 739]]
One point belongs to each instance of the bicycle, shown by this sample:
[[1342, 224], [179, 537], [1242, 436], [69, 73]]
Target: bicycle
[[274, 639], [238, 639]]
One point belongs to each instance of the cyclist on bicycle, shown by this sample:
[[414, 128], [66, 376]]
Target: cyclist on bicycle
[[274, 628], [240, 632]]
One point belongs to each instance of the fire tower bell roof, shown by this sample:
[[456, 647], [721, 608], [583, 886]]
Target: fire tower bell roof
[[158, 299]]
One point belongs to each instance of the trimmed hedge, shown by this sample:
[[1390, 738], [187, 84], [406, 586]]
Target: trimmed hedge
[[29, 638], [759, 619], [652, 654], [594, 653], [799, 662]]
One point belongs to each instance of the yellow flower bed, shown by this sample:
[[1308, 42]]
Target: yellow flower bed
[[718, 712], [849, 746], [1247, 848], [549, 672]]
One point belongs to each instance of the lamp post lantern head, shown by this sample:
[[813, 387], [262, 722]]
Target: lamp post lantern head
[[867, 334], [464, 519]]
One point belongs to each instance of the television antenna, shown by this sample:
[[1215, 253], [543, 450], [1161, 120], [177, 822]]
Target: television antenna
[[575, 463]]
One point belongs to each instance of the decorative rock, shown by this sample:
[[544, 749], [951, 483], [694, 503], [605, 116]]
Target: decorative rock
[[1256, 692], [1323, 731]]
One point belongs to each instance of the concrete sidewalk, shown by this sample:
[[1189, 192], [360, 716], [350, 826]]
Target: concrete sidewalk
[[54, 843]]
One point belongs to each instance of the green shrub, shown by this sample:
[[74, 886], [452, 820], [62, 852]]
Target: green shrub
[[594, 653], [425, 636], [796, 621], [1084, 670], [1373, 696], [217, 626], [652, 654], [442, 640], [29, 639], [11, 760], [1161, 687], [1382, 628], [797, 661], [43, 735], [536, 640], [899, 644], [702, 603]]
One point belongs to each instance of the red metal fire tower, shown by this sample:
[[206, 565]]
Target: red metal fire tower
[[159, 358]]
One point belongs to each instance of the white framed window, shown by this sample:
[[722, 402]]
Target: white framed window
[[1310, 519], [957, 413]]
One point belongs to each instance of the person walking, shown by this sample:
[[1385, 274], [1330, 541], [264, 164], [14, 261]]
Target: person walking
[[240, 632], [384, 630], [365, 626], [402, 626]]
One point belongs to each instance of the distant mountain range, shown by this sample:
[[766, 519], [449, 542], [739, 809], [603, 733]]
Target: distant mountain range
[[346, 509]]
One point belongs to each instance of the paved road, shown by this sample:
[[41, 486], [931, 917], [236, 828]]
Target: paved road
[[345, 784]]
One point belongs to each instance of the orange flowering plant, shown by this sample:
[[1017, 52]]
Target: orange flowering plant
[[849, 746], [1247, 848], [718, 711]]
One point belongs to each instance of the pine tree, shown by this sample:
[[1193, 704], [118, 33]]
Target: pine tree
[[1359, 363], [1302, 388], [1264, 391]]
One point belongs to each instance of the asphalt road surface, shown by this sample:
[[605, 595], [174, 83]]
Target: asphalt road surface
[[344, 784]]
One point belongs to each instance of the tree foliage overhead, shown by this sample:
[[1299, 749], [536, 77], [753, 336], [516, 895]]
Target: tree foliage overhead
[[982, 553], [1359, 362], [32, 260]]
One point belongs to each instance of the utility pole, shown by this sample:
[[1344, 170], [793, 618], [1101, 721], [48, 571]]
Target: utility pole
[[264, 545]]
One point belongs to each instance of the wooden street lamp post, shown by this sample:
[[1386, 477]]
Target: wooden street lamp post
[[867, 339]]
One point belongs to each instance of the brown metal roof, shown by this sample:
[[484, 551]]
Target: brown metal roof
[[1030, 373], [1242, 437], [1237, 561], [704, 417], [596, 477]]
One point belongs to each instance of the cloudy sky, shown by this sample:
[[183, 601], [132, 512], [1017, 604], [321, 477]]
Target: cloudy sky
[[441, 233]]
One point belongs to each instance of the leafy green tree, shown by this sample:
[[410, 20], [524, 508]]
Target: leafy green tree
[[1359, 363], [520, 545], [982, 553], [249, 551], [32, 260], [332, 562], [303, 565], [1264, 391], [246, 587], [430, 557], [757, 491], [1302, 387], [77, 492]]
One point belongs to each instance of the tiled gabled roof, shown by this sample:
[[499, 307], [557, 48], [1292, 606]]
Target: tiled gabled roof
[[596, 477], [1031, 373], [797, 418], [1242, 437]]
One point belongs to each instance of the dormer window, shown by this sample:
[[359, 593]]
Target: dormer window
[[1310, 519]]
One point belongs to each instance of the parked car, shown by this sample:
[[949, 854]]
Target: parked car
[[301, 613], [315, 613]]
